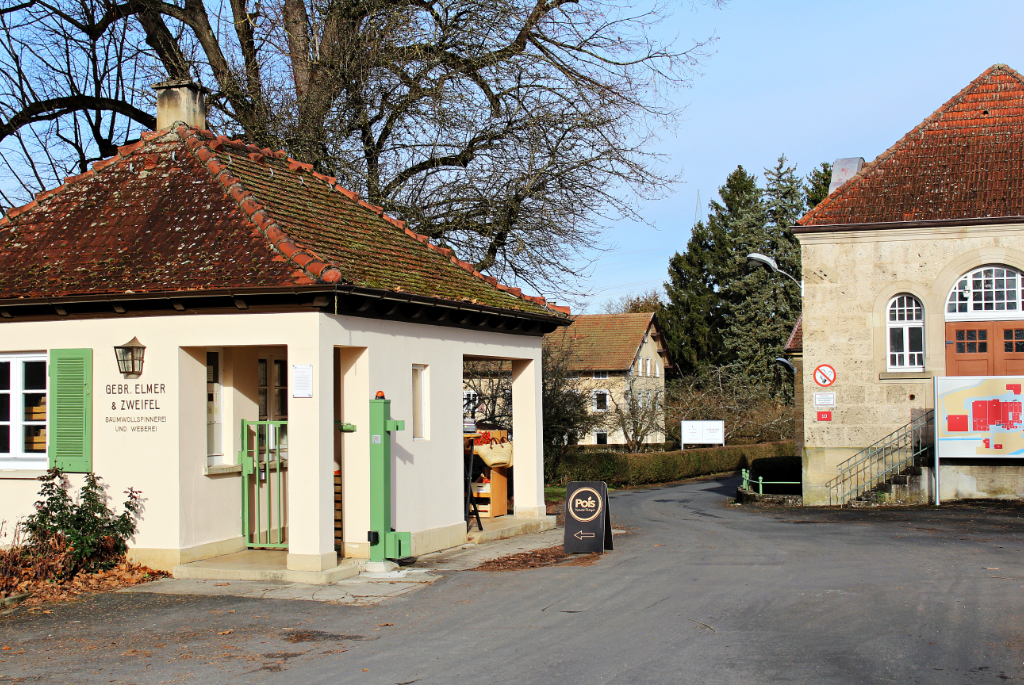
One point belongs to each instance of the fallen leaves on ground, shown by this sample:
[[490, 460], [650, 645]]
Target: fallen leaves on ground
[[125, 574], [549, 556]]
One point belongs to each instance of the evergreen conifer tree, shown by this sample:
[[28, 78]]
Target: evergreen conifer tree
[[764, 305], [816, 188], [699, 309]]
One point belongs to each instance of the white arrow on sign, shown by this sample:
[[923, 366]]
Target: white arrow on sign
[[579, 535]]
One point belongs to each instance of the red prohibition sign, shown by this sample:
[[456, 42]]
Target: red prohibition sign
[[824, 375]]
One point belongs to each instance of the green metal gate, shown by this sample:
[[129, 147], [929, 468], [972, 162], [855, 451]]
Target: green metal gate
[[264, 460]]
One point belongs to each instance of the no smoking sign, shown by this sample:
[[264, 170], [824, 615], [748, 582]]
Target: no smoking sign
[[824, 375]]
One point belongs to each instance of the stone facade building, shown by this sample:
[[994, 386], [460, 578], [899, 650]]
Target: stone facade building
[[913, 269], [617, 357]]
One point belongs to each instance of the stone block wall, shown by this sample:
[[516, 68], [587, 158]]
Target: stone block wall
[[849, 278]]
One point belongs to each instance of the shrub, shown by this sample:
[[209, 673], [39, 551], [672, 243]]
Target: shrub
[[616, 468], [84, 532]]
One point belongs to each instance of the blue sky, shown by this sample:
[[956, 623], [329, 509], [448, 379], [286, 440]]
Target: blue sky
[[813, 80]]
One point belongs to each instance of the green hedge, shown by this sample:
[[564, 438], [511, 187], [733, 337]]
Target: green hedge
[[617, 468]]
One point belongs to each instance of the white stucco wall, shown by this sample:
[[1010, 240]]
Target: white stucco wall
[[190, 514]]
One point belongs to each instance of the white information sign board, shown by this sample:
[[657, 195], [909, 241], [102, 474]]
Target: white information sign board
[[703, 433], [824, 399], [302, 380]]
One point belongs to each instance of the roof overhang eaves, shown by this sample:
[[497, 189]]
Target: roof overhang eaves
[[894, 225], [297, 290]]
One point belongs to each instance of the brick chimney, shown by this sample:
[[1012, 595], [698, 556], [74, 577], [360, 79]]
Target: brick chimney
[[180, 100]]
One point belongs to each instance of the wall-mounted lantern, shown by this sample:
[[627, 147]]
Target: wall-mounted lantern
[[130, 357]]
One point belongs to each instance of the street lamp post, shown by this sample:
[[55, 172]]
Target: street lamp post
[[758, 259]]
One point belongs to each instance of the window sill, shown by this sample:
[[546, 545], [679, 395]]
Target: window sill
[[222, 469], [905, 375], [17, 474]]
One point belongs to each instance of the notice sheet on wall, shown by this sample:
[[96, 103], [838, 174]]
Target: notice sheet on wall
[[302, 380]]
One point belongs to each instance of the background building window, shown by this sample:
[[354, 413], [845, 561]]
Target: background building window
[[600, 400], [601, 375], [991, 292], [470, 401], [905, 333], [601, 437]]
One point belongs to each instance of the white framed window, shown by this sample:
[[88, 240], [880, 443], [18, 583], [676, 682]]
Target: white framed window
[[600, 375], [600, 400], [648, 367], [657, 370], [601, 438], [23, 415], [905, 334], [989, 293], [420, 402], [214, 419]]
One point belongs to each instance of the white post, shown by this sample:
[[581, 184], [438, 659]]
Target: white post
[[527, 430], [935, 441], [311, 459]]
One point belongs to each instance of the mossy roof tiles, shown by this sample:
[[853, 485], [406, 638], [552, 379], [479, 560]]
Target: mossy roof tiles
[[184, 210], [602, 342]]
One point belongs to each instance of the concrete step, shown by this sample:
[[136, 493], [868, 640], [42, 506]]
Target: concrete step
[[509, 526], [264, 565]]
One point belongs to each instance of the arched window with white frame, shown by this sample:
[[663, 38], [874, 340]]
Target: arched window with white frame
[[905, 334], [989, 293]]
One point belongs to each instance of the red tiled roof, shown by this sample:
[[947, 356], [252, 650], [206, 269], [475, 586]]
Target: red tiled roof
[[185, 210], [796, 338], [602, 342], [964, 161]]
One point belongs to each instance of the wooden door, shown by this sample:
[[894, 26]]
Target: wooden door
[[970, 348], [1009, 352]]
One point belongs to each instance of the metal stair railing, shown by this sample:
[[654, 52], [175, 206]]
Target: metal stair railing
[[888, 457]]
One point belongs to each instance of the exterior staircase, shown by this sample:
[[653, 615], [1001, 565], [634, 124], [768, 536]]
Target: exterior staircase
[[889, 470]]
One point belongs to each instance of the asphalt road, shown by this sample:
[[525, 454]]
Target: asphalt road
[[698, 591]]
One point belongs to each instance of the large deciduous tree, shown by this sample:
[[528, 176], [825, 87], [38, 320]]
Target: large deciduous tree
[[508, 131]]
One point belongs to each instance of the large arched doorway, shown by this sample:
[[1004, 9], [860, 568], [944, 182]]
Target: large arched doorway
[[985, 323]]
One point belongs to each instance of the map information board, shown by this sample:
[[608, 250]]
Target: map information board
[[979, 416]]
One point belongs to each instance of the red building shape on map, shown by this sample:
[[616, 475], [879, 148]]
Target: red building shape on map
[[956, 423], [989, 413]]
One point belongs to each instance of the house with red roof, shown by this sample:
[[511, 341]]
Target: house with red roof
[[621, 361], [208, 322], [914, 271]]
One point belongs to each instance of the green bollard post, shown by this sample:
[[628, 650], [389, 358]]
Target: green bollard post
[[384, 543]]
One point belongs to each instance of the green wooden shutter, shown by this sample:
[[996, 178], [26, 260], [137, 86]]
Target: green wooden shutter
[[71, 410]]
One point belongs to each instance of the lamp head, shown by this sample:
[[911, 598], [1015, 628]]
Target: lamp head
[[755, 259], [130, 358], [786, 364]]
